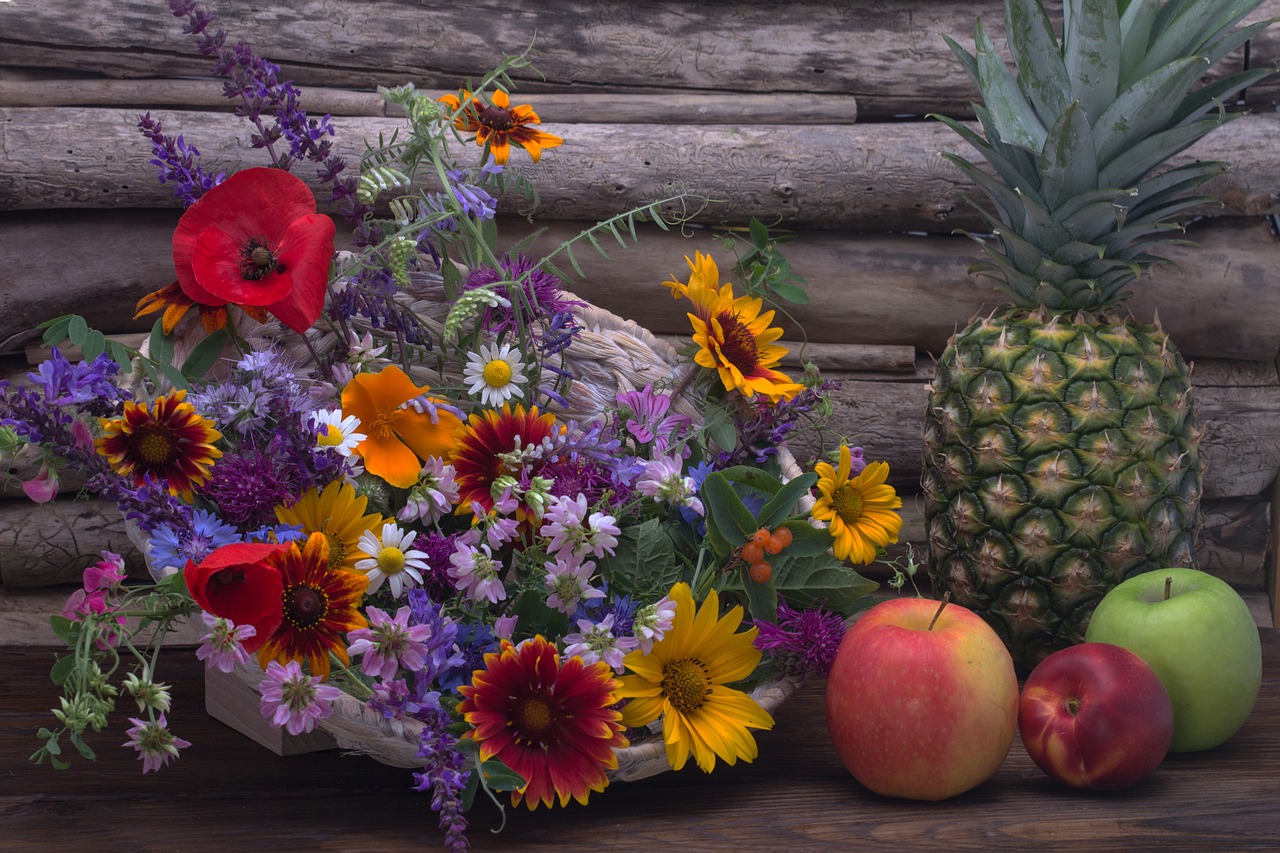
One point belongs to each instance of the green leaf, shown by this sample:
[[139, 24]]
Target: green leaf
[[62, 669], [1091, 51], [644, 562], [806, 540], [1144, 108], [52, 746], [720, 428], [762, 598], [753, 478], [791, 293], [779, 506], [174, 375], [1136, 21], [468, 797], [730, 515], [1014, 118], [82, 747], [159, 346], [119, 354], [95, 344], [66, 630], [500, 777], [58, 763], [821, 580], [55, 330], [1068, 167], [1041, 72], [77, 329], [205, 354]]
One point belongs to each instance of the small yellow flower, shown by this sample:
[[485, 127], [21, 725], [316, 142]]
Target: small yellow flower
[[859, 511]]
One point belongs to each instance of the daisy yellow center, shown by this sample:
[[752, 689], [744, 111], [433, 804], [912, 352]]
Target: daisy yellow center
[[847, 502], [739, 346], [331, 436], [533, 718], [337, 549], [497, 118], [154, 446], [497, 373], [305, 606], [686, 684], [391, 560]]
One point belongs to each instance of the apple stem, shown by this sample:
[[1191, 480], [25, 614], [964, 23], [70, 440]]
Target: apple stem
[[946, 597], [1168, 586]]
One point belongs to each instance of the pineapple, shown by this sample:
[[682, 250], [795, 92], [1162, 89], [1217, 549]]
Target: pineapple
[[1061, 449]]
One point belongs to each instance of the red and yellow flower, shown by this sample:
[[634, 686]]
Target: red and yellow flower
[[256, 241], [169, 441], [548, 719], [487, 435], [397, 438], [733, 336], [318, 605], [498, 124]]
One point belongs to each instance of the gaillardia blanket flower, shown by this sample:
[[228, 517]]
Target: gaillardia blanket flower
[[398, 438], [169, 442], [255, 240], [499, 124], [548, 719], [489, 434], [684, 679], [859, 511]]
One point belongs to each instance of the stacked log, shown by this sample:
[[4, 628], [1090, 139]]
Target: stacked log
[[812, 121]]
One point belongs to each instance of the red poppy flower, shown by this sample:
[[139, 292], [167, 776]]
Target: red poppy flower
[[256, 240], [240, 582]]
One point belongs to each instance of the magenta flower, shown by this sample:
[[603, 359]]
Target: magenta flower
[[223, 646], [803, 642], [43, 487], [568, 582], [155, 744], [649, 418], [107, 574], [293, 699], [81, 604], [475, 572], [389, 643]]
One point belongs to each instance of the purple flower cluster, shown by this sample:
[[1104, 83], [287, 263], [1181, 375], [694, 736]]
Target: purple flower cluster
[[444, 775], [176, 162], [371, 295], [766, 425], [802, 642], [539, 295]]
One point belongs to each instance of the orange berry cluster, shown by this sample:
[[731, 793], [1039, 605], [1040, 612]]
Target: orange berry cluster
[[762, 542]]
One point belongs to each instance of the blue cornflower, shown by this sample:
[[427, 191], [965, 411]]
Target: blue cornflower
[[170, 549]]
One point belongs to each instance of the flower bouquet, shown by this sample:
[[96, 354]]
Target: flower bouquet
[[423, 497]]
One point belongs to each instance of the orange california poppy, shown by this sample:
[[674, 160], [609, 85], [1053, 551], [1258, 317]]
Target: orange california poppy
[[398, 437], [498, 124]]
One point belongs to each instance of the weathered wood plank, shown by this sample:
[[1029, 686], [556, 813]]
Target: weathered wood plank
[[622, 108], [862, 177], [888, 53], [52, 543], [24, 619], [1219, 301]]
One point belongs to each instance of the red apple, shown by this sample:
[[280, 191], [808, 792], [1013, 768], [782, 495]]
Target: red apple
[[1095, 716], [922, 701]]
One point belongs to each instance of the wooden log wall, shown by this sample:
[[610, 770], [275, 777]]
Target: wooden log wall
[[812, 120]]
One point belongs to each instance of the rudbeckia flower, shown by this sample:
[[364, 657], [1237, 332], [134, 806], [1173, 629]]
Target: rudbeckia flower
[[860, 511], [256, 241], [498, 124], [549, 719], [398, 437], [684, 680]]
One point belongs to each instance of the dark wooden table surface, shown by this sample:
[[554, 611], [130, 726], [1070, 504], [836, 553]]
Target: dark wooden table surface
[[227, 794]]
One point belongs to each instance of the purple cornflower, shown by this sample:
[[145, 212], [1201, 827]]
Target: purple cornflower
[[802, 642], [389, 643], [170, 547], [223, 647], [444, 775], [438, 547], [176, 162], [292, 699], [155, 744], [621, 609], [580, 476], [540, 294]]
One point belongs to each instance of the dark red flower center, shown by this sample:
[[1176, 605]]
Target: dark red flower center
[[154, 446], [739, 346], [258, 259], [497, 118], [305, 606], [534, 718]]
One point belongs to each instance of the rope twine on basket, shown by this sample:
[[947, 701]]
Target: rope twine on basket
[[607, 356]]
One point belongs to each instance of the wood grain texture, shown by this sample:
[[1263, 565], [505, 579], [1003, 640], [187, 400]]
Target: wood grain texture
[[1218, 300], [861, 177], [795, 796], [887, 53], [52, 543]]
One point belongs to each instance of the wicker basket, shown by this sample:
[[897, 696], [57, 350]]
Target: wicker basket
[[608, 356]]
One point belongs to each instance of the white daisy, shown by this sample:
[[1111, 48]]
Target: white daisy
[[496, 374], [336, 432], [392, 558]]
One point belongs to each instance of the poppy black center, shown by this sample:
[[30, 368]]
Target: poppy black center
[[258, 259]]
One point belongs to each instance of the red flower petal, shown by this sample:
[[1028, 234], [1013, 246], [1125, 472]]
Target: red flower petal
[[306, 253], [216, 264], [236, 582]]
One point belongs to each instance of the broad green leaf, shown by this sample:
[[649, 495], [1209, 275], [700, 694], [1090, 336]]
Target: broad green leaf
[[82, 747], [1144, 108], [753, 478], [55, 330], [821, 580], [790, 292], [806, 540], [66, 630], [762, 598], [159, 345], [119, 354], [95, 344], [720, 428], [734, 521], [174, 375], [644, 562], [499, 777], [62, 669], [204, 355], [77, 330], [780, 505], [1067, 165]]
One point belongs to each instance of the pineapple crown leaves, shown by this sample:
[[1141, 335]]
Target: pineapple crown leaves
[[1073, 137]]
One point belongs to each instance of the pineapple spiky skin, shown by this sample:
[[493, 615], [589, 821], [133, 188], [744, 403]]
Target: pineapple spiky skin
[[1061, 457]]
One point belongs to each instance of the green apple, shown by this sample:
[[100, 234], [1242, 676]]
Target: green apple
[[1196, 632]]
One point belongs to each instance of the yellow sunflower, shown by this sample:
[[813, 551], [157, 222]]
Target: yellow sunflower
[[733, 336], [859, 511], [170, 442], [683, 680], [337, 512]]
